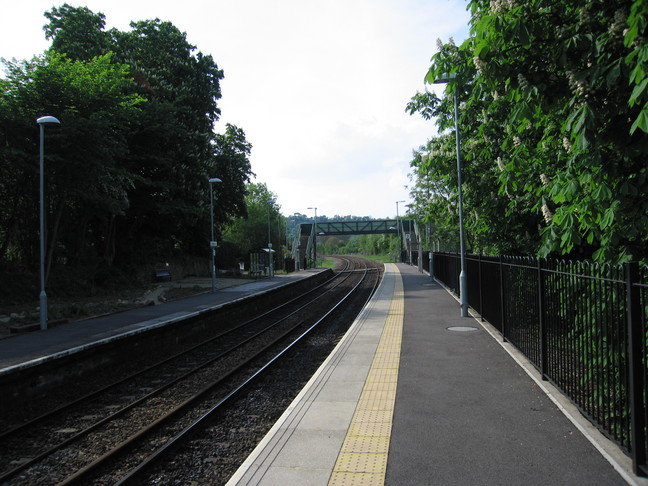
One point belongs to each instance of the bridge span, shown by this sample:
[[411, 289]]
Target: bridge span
[[309, 232]]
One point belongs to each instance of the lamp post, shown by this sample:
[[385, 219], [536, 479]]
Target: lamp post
[[398, 227], [409, 236], [212, 242], [463, 278], [42, 121], [315, 233], [270, 269]]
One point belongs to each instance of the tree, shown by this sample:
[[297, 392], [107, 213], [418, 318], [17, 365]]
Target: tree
[[172, 149], [551, 112], [78, 32], [172, 146], [84, 181], [231, 152], [127, 171], [249, 233]]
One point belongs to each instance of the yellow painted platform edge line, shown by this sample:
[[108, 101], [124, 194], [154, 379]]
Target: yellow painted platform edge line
[[390, 339], [266, 450]]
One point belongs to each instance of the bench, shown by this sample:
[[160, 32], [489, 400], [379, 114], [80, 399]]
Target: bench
[[162, 274], [256, 270]]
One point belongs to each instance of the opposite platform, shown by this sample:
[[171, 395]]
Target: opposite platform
[[28, 349], [465, 411]]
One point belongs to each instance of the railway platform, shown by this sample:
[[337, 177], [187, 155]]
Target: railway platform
[[28, 349], [414, 394]]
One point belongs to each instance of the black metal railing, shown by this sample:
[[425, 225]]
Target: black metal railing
[[583, 326]]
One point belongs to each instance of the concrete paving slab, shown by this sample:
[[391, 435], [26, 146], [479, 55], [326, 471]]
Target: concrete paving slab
[[310, 449], [290, 476], [328, 415]]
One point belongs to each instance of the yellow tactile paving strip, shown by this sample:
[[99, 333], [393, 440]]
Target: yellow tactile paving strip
[[363, 457]]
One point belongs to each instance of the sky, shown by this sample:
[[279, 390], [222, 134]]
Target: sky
[[319, 86]]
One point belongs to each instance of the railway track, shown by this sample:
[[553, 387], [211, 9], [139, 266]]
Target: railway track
[[120, 433]]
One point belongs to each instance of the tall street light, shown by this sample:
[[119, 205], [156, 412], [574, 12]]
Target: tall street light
[[212, 242], [270, 269], [42, 121], [315, 233], [398, 227], [463, 278], [409, 236]]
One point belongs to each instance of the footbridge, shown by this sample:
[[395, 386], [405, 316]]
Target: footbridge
[[306, 249]]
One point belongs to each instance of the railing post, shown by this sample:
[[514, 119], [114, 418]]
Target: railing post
[[458, 274], [479, 282], [541, 322], [636, 369], [431, 264], [502, 299]]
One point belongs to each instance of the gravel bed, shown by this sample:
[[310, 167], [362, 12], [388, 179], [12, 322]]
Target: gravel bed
[[213, 456], [216, 452]]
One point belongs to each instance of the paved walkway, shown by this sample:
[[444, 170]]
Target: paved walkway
[[445, 407], [467, 413]]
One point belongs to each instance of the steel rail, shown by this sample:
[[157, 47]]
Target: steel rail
[[136, 472], [88, 469], [50, 413], [82, 433]]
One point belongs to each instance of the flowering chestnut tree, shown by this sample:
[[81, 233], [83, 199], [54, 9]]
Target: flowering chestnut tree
[[554, 115]]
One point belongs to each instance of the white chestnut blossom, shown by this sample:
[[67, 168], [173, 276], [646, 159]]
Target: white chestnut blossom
[[546, 213], [567, 144]]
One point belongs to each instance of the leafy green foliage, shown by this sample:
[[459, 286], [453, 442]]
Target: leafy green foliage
[[553, 114], [263, 220], [84, 180], [77, 31], [127, 170]]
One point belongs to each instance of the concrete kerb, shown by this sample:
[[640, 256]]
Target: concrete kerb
[[608, 449], [261, 458]]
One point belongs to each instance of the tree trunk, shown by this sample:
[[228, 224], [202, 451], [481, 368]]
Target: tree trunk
[[109, 251], [53, 239]]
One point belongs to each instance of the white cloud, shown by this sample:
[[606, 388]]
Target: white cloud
[[319, 88]]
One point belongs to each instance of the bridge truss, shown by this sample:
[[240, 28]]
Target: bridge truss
[[310, 231]]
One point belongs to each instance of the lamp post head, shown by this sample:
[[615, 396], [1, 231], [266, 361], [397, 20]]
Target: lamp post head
[[48, 120], [214, 179]]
